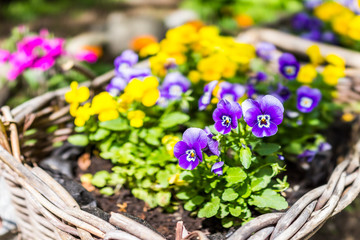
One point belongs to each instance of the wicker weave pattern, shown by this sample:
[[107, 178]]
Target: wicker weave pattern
[[46, 211]]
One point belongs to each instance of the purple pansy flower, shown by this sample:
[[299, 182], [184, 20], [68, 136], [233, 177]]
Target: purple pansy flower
[[300, 20], [251, 91], [231, 92], [128, 58], [189, 150], [212, 147], [263, 115], [311, 4], [174, 85], [265, 50], [288, 66], [309, 155], [329, 37], [313, 35], [261, 76], [116, 85], [129, 73], [282, 93], [205, 99], [226, 116], [217, 168], [307, 98]]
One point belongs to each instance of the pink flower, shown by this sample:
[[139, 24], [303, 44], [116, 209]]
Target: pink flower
[[4, 55], [44, 63], [87, 56]]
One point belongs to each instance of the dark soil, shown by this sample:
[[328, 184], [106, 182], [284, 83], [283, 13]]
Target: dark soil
[[163, 222]]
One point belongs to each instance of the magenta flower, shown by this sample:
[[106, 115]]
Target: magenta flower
[[87, 56], [174, 85], [288, 66], [263, 115], [189, 150], [231, 92], [4, 55], [217, 168], [212, 147], [307, 98], [226, 116], [205, 99]]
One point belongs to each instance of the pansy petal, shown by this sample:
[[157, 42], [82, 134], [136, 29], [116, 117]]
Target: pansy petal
[[271, 130], [251, 115], [188, 165], [150, 97], [180, 149], [217, 114], [194, 136], [268, 101], [258, 131], [276, 115], [247, 104], [198, 151], [234, 122], [219, 127], [83, 94]]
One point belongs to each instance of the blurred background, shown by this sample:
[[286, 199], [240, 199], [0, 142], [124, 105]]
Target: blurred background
[[115, 25]]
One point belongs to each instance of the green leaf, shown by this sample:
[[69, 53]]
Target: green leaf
[[261, 178], [235, 175], [100, 134], [235, 210], [227, 222], [223, 211], [210, 209], [100, 178], [268, 199], [108, 191], [245, 157], [163, 178], [185, 194], [229, 195], [78, 140], [118, 124], [267, 148], [193, 202], [163, 198], [173, 119]]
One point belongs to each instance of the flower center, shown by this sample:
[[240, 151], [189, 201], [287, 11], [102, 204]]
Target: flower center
[[263, 121], [175, 90], [191, 156], [306, 102], [290, 70], [226, 121], [229, 97]]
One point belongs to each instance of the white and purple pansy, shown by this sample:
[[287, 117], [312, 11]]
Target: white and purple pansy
[[263, 115], [288, 66], [189, 150], [231, 92], [226, 116], [205, 99], [217, 168], [174, 85], [128, 58], [212, 147], [307, 98]]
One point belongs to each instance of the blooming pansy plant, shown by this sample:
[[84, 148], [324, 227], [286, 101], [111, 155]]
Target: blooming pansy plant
[[214, 130]]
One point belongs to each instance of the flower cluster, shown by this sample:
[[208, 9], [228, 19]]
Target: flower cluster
[[37, 52], [214, 56], [342, 17]]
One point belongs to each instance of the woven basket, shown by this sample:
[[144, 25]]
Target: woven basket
[[45, 210]]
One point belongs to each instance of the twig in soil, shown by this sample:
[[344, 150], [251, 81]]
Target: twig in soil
[[198, 234], [119, 235], [134, 227]]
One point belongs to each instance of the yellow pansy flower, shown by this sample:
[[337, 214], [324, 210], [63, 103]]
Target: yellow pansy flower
[[144, 91], [306, 74], [77, 95], [82, 115], [348, 117], [151, 49], [169, 141], [176, 180], [328, 10], [105, 106], [314, 54], [335, 60], [194, 76], [340, 23], [354, 28], [332, 74], [136, 118]]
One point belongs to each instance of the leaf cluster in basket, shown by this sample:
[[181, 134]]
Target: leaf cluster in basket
[[35, 59], [243, 120], [334, 22]]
